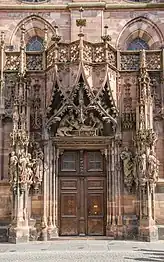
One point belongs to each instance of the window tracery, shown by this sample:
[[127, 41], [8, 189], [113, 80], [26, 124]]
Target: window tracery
[[35, 44], [138, 44]]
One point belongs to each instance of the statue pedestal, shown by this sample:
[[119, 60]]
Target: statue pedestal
[[52, 232], [32, 230], [148, 231], [111, 231], [18, 233]]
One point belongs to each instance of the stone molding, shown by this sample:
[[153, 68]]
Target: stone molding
[[87, 5]]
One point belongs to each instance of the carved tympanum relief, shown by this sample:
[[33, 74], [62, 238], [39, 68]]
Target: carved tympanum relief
[[82, 113]]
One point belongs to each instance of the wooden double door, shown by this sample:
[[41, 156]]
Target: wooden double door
[[82, 194]]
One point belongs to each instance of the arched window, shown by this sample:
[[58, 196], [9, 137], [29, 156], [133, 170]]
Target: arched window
[[137, 44], [35, 44]]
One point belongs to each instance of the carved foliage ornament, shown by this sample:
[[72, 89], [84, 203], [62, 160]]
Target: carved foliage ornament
[[12, 62], [34, 62], [130, 62], [145, 138]]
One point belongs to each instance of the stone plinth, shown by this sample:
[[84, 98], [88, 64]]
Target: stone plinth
[[18, 234], [148, 231], [52, 232]]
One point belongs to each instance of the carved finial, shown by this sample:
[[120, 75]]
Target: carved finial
[[56, 38], [45, 36], [106, 37], [105, 30], [143, 59], [22, 36], [81, 22]]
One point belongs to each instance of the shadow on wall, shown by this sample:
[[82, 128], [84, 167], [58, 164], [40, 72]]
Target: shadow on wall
[[151, 256]]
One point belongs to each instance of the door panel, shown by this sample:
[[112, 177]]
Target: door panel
[[68, 206], [95, 227], [96, 206], [82, 198]]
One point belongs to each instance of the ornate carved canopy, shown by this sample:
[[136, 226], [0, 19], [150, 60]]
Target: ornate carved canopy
[[77, 108]]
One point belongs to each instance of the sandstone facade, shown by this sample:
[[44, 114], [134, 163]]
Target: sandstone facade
[[121, 88]]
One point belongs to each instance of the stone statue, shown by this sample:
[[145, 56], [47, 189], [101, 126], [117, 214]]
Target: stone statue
[[142, 168], [70, 123], [15, 119], [13, 168], [67, 125], [128, 168], [95, 123], [153, 167]]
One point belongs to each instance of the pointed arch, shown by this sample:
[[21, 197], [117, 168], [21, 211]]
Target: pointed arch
[[34, 26], [142, 28]]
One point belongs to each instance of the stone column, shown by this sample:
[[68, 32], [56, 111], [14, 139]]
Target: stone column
[[55, 190], [109, 195], [111, 216], [146, 162], [147, 228], [45, 201], [1, 145], [119, 191], [52, 229]]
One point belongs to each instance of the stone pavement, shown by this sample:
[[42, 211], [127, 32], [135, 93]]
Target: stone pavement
[[83, 251]]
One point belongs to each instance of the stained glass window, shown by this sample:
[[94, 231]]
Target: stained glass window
[[137, 44], [35, 44]]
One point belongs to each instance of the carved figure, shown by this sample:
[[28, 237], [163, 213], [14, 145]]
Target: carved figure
[[142, 169], [67, 125], [142, 164], [153, 167], [13, 167], [128, 168], [15, 119]]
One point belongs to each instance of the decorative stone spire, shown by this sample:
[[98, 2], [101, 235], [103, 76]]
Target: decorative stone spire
[[147, 165], [45, 36], [22, 49], [145, 103], [81, 22], [56, 38], [2, 46], [106, 39], [144, 80]]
